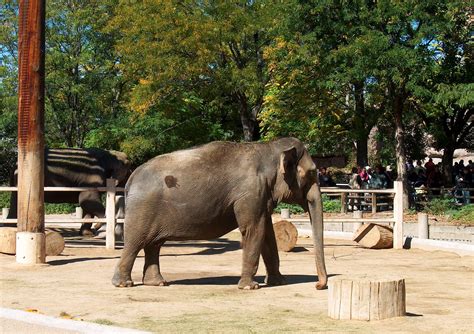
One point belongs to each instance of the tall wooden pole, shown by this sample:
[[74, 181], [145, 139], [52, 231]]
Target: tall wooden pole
[[31, 49]]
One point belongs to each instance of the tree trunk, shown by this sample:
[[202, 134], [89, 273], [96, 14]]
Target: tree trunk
[[360, 124], [400, 146], [248, 118], [447, 163], [362, 151]]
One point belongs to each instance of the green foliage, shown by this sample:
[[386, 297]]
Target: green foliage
[[465, 214], [295, 209], [4, 199], [59, 208], [331, 205], [438, 206]]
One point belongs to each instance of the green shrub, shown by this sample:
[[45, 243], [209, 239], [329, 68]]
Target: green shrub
[[331, 205], [4, 199], [59, 208], [296, 209], [439, 206], [464, 214]]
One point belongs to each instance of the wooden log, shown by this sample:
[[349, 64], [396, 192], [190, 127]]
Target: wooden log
[[54, 241], [286, 235], [374, 236], [366, 298], [8, 240]]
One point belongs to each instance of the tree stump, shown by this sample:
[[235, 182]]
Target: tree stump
[[365, 298], [374, 236], [286, 235], [8, 240], [54, 241]]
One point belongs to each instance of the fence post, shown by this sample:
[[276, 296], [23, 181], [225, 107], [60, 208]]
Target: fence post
[[374, 203], [423, 229], [398, 215], [343, 202], [110, 215], [357, 214]]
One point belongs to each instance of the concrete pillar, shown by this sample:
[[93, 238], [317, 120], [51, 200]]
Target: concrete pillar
[[110, 215], [285, 213], [423, 228], [79, 212], [357, 214], [30, 248]]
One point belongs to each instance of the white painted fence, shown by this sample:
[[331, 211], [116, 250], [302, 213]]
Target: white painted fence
[[112, 220]]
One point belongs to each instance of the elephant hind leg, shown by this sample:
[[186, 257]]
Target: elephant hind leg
[[151, 269], [123, 272]]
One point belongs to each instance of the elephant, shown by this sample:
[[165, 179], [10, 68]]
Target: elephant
[[205, 192], [73, 167]]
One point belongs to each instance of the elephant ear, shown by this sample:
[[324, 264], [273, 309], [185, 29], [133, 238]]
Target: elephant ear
[[288, 162]]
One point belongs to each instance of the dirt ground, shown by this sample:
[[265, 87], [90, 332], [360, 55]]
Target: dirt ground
[[203, 295]]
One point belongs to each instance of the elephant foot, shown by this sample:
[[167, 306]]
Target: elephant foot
[[248, 284], [274, 280], [86, 233], [121, 283], [155, 282]]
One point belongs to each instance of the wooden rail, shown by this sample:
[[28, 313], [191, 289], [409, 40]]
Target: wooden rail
[[112, 220]]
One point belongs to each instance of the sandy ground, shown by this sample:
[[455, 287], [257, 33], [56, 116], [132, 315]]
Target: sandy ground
[[203, 296]]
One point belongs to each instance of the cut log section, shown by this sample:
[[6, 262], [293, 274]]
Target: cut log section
[[286, 235], [54, 241], [8, 240], [374, 236], [364, 298]]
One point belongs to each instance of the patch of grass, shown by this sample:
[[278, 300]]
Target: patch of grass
[[105, 322], [440, 206], [464, 214]]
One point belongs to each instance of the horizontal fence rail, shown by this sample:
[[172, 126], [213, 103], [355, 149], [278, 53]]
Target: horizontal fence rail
[[346, 194]]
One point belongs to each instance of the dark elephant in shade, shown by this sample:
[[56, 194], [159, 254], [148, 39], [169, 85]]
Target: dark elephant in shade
[[70, 167], [207, 191]]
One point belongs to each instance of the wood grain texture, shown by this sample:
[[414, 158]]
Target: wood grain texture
[[364, 298]]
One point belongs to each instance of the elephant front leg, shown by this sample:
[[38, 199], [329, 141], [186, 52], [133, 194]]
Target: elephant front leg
[[151, 269], [252, 241], [271, 258]]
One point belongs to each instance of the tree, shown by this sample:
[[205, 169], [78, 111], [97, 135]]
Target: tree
[[449, 96], [210, 51], [84, 87]]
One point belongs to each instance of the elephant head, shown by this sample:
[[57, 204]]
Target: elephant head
[[118, 167], [297, 183]]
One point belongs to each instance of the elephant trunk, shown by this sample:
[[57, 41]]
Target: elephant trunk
[[315, 205]]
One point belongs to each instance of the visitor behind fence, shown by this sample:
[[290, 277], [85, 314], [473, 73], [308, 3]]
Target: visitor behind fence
[[463, 183], [325, 179]]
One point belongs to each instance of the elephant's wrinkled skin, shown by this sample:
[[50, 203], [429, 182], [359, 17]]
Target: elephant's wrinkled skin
[[207, 191], [79, 168]]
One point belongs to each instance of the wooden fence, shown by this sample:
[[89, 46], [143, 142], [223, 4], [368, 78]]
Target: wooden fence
[[111, 220]]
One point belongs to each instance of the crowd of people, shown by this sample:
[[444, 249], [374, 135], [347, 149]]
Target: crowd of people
[[428, 175]]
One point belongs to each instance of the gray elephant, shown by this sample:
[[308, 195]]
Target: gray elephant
[[207, 191], [79, 168]]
